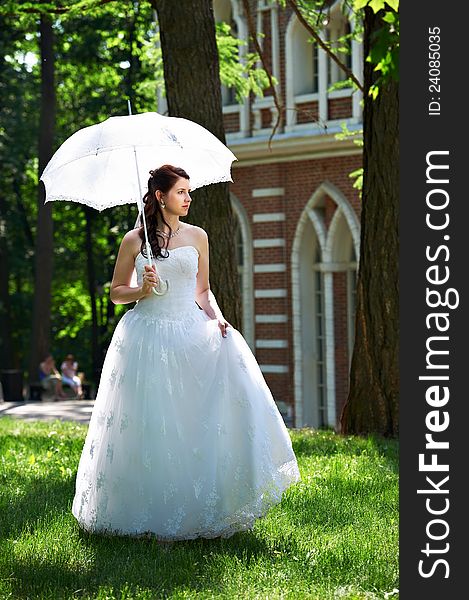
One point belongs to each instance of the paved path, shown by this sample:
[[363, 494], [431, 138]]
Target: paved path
[[65, 410]]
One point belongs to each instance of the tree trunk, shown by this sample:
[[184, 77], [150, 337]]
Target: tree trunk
[[7, 357], [95, 350], [193, 91], [23, 212], [44, 237], [372, 403]]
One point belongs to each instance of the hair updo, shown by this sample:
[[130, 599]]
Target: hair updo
[[162, 179]]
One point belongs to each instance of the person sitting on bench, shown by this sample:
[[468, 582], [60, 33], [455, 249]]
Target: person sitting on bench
[[69, 375], [50, 377]]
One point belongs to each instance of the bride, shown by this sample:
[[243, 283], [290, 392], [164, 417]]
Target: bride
[[185, 439]]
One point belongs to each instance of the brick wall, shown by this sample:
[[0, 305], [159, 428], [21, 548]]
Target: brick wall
[[231, 122], [307, 112], [340, 108], [299, 179]]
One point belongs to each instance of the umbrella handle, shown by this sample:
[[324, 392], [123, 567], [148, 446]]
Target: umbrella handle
[[165, 288]]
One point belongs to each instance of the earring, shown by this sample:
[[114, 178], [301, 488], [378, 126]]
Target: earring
[[162, 203]]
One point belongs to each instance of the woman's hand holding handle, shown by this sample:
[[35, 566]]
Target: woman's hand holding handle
[[150, 280]]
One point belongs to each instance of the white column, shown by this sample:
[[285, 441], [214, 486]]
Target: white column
[[275, 44], [333, 35], [259, 30], [297, 331], [357, 70], [322, 84], [244, 108], [330, 354], [290, 117]]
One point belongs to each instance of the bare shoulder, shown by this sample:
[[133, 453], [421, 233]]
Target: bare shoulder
[[131, 242], [196, 236], [132, 235]]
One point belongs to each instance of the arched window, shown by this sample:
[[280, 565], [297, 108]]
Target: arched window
[[311, 71], [302, 76], [310, 317], [338, 35], [235, 115], [223, 12], [324, 264], [302, 60], [263, 108], [305, 59]]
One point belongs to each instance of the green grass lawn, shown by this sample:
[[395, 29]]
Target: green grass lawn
[[334, 536]]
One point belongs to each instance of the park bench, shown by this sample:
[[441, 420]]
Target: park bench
[[37, 392]]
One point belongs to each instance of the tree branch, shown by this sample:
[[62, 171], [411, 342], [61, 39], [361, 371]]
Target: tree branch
[[324, 46], [278, 104]]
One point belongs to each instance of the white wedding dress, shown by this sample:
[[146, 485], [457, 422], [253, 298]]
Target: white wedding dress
[[185, 439]]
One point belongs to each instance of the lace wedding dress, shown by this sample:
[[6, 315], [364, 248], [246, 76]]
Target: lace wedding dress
[[185, 439]]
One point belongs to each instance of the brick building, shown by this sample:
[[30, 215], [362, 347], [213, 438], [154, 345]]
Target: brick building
[[298, 213]]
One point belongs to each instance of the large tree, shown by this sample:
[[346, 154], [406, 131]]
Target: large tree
[[104, 53], [372, 403], [192, 81], [44, 236], [18, 148]]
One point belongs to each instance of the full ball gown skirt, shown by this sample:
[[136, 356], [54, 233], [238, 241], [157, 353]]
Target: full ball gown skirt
[[185, 439]]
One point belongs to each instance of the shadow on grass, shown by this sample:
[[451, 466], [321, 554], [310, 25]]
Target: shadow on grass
[[121, 563], [107, 562], [118, 563], [43, 497], [33, 495]]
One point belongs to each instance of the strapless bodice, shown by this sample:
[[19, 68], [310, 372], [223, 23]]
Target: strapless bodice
[[180, 269]]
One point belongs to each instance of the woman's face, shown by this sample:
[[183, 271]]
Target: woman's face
[[177, 200]]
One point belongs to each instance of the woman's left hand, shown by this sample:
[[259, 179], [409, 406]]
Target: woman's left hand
[[223, 324]]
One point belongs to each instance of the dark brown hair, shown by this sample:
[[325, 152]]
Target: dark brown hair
[[162, 179]]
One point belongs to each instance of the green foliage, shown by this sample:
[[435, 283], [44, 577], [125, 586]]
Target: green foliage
[[334, 535], [18, 147], [376, 5], [238, 71], [71, 307], [105, 53], [357, 137], [384, 52], [315, 13], [346, 133], [101, 60], [357, 176]]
